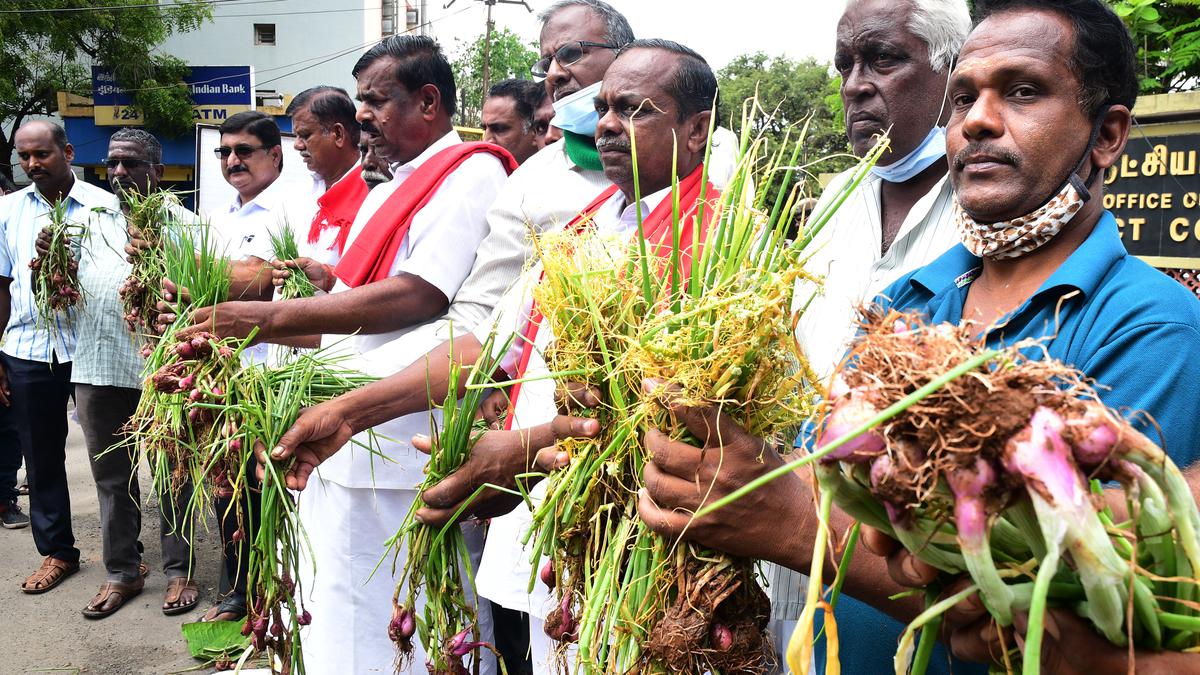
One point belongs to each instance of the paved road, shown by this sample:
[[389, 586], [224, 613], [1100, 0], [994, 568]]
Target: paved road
[[47, 634]]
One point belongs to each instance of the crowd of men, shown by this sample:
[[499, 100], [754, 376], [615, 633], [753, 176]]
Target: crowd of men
[[986, 209]]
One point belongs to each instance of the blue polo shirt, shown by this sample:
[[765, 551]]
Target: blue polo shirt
[[1128, 326]]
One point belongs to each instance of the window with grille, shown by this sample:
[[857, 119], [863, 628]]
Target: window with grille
[[264, 33]]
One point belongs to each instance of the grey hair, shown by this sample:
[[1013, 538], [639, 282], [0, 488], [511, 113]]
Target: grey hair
[[616, 27], [149, 143], [943, 25]]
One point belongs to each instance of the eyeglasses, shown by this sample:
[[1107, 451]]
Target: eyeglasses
[[130, 164], [567, 55], [242, 150]]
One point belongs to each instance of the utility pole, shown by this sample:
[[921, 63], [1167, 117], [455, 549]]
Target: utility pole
[[487, 34]]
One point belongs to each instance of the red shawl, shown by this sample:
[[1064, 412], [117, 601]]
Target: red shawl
[[337, 208], [370, 257], [656, 226]]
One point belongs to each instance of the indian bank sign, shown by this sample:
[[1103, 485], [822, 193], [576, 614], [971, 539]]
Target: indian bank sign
[[217, 93], [1154, 191]]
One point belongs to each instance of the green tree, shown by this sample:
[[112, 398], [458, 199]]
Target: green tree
[[50, 44], [1167, 35], [509, 58], [792, 91]]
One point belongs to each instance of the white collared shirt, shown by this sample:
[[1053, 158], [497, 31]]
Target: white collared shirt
[[244, 230], [23, 214], [440, 247], [847, 253]]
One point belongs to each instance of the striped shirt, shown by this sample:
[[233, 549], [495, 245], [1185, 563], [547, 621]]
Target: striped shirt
[[22, 215], [107, 353]]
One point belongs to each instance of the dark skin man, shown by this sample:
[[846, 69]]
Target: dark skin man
[[1015, 106], [49, 167], [632, 94], [402, 125], [889, 85]]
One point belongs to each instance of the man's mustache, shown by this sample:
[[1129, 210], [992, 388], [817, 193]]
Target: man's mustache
[[614, 144], [997, 153], [369, 128], [238, 168], [374, 177]]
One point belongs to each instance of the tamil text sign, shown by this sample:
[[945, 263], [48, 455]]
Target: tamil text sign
[[218, 92], [1154, 191]]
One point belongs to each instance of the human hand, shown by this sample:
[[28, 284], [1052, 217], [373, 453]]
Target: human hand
[[1071, 646], [317, 434], [42, 244], [172, 299], [572, 398], [320, 274], [494, 409], [967, 629], [680, 478], [136, 244], [497, 458], [236, 319], [5, 391]]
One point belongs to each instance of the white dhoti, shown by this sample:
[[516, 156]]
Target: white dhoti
[[349, 598]]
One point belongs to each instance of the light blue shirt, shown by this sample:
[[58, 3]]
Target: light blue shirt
[[22, 215]]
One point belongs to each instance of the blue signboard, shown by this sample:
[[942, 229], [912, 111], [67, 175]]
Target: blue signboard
[[218, 92]]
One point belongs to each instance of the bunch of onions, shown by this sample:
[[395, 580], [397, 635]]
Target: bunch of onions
[[593, 304], [200, 418], [263, 403], [182, 373], [284, 247], [710, 316], [141, 291], [436, 557], [992, 468], [56, 288]]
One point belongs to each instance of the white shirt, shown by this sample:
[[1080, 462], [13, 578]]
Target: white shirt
[[847, 254], [325, 250], [439, 247], [23, 214], [503, 575], [244, 230]]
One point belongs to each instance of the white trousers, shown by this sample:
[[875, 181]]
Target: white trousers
[[349, 599]]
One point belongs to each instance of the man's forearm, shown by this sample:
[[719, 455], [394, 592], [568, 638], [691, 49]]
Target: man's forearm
[[410, 390], [380, 307]]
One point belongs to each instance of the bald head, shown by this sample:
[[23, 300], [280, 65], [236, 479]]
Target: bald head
[[45, 156]]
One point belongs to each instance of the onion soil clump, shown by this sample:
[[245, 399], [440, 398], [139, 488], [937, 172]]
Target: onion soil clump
[[708, 316], [997, 472]]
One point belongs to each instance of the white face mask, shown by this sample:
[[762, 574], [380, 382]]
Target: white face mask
[[1014, 238], [577, 113], [932, 149]]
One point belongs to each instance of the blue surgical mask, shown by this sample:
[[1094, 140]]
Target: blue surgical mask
[[577, 113], [932, 149]]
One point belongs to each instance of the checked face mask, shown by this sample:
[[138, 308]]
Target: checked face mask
[[1014, 238]]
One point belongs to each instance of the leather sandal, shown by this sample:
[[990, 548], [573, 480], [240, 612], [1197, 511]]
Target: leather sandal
[[123, 593], [50, 574], [175, 588], [234, 603]]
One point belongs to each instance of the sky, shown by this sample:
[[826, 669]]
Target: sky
[[720, 31]]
